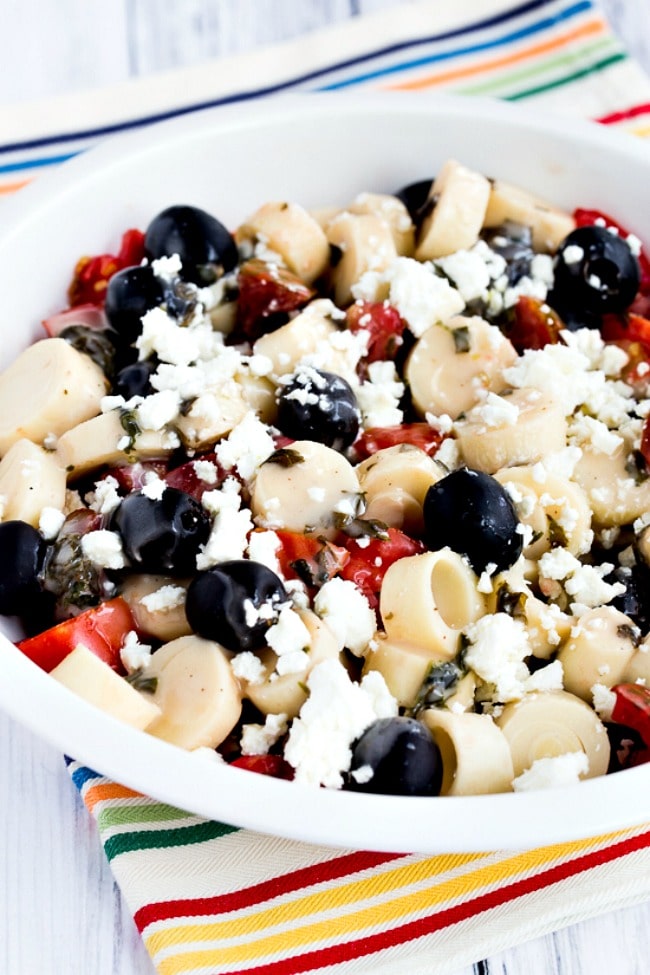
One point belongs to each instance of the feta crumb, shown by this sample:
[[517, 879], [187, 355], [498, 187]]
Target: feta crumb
[[336, 712], [552, 773], [498, 646], [604, 701], [106, 497], [348, 614], [164, 599], [50, 522], [248, 667], [256, 739], [246, 446], [133, 654], [104, 549]]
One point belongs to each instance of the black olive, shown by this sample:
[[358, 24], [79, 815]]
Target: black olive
[[401, 758], [415, 198], [98, 344], [514, 242], [235, 603], [474, 515], [204, 245], [635, 601], [131, 293], [164, 534], [319, 406], [22, 554], [135, 379], [595, 272]]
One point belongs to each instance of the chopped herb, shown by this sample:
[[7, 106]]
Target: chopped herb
[[365, 528], [632, 633], [129, 423], [510, 602], [461, 339], [140, 682], [556, 534], [285, 457]]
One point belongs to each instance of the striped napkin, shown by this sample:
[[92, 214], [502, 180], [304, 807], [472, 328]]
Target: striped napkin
[[210, 899]]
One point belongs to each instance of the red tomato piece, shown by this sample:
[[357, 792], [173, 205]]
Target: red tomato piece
[[92, 274], [417, 434], [273, 765], [629, 327], [313, 560], [101, 629], [266, 290], [385, 324], [92, 316], [186, 479], [535, 325], [632, 709], [369, 562]]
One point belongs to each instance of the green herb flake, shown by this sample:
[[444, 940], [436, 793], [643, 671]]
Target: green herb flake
[[556, 534], [139, 681], [461, 339], [285, 457]]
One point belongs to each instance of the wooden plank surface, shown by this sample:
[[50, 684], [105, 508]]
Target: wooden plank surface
[[60, 911]]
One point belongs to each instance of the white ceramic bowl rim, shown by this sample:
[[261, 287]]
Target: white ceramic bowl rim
[[237, 797]]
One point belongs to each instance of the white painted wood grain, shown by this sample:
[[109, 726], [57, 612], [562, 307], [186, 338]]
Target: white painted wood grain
[[60, 913]]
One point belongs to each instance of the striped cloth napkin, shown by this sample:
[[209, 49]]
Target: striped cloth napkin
[[210, 899]]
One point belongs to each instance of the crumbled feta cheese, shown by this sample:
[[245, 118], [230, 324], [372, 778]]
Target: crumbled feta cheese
[[498, 645], [289, 634], [347, 612], [50, 522], [167, 268], [496, 411], [248, 667], [256, 739], [164, 599], [549, 678], [247, 445], [334, 715], [263, 547], [552, 773], [153, 487], [133, 654], [104, 549], [604, 701], [105, 498], [379, 397]]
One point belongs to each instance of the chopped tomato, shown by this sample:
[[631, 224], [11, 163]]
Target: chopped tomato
[[629, 327], [383, 322], [535, 325], [101, 629], [92, 274], [632, 709], [131, 477], [92, 316], [586, 218], [273, 765], [417, 434], [370, 560], [266, 290], [185, 477], [313, 560]]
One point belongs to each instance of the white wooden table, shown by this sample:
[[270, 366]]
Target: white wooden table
[[60, 912]]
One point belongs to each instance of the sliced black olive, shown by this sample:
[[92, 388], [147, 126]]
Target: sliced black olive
[[473, 514], [635, 601], [135, 379], [595, 272], [235, 603], [163, 534], [129, 295], [204, 245], [319, 406], [514, 242], [23, 554], [398, 757]]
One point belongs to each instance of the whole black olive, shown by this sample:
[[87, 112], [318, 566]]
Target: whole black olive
[[514, 242], [163, 534], [23, 552], [235, 603], [131, 293], [415, 198], [473, 514], [595, 272], [396, 757], [204, 245], [98, 344], [319, 406]]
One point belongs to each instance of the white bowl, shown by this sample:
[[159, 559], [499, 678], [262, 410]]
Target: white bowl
[[316, 150]]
